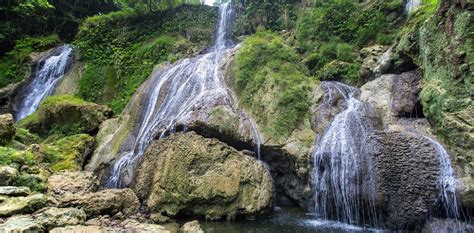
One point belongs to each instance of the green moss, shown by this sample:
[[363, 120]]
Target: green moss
[[339, 71], [446, 58], [65, 115], [33, 182], [11, 156], [26, 137], [68, 153], [121, 49], [272, 83]]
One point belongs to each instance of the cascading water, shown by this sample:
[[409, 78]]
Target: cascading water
[[44, 81], [343, 183], [446, 182], [179, 91], [412, 5]]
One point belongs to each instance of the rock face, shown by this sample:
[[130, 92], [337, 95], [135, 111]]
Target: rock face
[[68, 183], [105, 202], [70, 114], [393, 96], [406, 169], [192, 175], [7, 129]]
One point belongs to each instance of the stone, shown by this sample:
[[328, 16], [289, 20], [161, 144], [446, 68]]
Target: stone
[[406, 170], [371, 56], [394, 96], [7, 174], [192, 175], [68, 113], [22, 205], [14, 191], [191, 227], [81, 229], [7, 129], [159, 218], [21, 224], [135, 226], [105, 202], [67, 183], [53, 217]]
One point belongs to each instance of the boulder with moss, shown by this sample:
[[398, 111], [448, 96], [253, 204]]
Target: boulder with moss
[[66, 115], [22, 205], [192, 175], [7, 129]]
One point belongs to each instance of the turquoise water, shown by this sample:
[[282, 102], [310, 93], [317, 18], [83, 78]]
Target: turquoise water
[[282, 220]]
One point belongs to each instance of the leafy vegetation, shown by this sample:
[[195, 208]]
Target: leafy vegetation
[[15, 66], [272, 83], [120, 50]]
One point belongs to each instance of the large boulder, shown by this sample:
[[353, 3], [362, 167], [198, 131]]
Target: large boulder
[[7, 129], [105, 202], [69, 183], [192, 175], [191, 227], [8, 174], [67, 115], [393, 96], [22, 205], [52, 217], [406, 168]]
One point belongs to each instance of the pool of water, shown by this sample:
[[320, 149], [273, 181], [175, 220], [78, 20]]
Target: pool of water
[[283, 220]]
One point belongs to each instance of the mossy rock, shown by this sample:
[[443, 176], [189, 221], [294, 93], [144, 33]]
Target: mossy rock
[[7, 129], [66, 115], [339, 71], [447, 60], [68, 153], [192, 175]]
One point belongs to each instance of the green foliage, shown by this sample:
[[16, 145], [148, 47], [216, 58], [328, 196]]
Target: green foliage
[[121, 49], [33, 182], [339, 71], [272, 15], [272, 83], [26, 137], [346, 21], [14, 66], [12, 156], [21, 19]]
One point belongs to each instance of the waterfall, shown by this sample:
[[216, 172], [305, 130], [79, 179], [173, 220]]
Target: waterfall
[[412, 5], [343, 183], [179, 91], [43, 82], [446, 182]]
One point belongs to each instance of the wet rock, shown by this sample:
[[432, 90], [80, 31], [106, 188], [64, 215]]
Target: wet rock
[[67, 113], [21, 224], [59, 217], [135, 226], [68, 183], [406, 172], [7, 174], [192, 175], [7, 129], [105, 202], [14, 191], [22, 205], [447, 226], [81, 229], [191, 227]]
